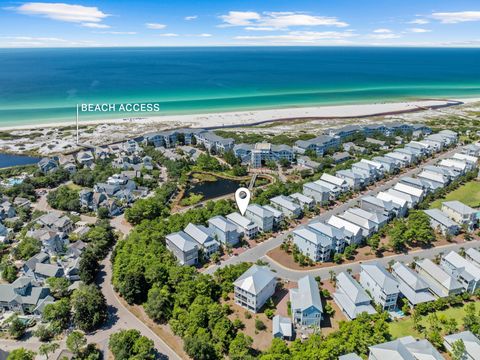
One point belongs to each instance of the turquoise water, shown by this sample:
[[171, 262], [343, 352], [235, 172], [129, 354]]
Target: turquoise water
[[44, 85]]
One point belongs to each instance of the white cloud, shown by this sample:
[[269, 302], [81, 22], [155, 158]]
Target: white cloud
[[116, 32], [301, 37], [384, 36], [419, 22], [239, 18], [95, 25], [31, 41], [155, 26], [456, 17], [168, 35], [62, 12], [201, 35], [253, 28], [277, 20], [419, 30], [382, 31], [193, 17]]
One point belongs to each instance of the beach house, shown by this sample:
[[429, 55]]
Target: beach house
[[350, 297], [306, 305], [381, 285], [254, 287]]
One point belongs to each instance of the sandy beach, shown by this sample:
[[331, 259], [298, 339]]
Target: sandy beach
[[258, 116]]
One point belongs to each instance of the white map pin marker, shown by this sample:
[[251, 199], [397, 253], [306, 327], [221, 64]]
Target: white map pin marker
[[242, 197]]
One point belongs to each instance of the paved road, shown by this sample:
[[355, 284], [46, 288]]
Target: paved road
[[121, 318], [259, 252]]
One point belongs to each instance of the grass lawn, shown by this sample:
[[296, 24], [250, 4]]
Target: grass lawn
[[404, 327], [73, 186], [469, 194]]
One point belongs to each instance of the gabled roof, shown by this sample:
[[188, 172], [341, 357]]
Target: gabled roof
[[412, 286], [223, 224], [313, 236], [306, 295], [474, 254], [333, 179], [440, 217], [199, 233], [440, 275], [459, 207], [405, 348], [341, 223], [255, 279], [382, 277], [374, 217], [259, 210], [351, 297], [282, 325], [463, 265], [301, 198], [182, 241], [285, 202], [471, 342], [328, 230]]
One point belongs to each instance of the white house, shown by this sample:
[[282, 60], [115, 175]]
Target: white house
[[254, 287], [381, 284]]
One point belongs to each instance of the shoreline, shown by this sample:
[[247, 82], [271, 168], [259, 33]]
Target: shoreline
[[257, 117]]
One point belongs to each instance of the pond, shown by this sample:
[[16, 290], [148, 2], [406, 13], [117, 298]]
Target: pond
[[213, 189], [8, 160]]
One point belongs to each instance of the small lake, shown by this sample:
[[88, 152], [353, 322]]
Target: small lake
[[213, 189], [8, 160]]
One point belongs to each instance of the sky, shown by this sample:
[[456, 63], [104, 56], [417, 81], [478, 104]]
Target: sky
[[240, 23]]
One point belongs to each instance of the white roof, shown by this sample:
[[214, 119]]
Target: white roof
[[409, 189], [255, 279], [315, 187], [385, 196], [259, 210], [469, 158], [440, 275], [396, 155], [341, 223], [412, 286], [440, 217], [223, 224], [240, 220], [358, 220], [401, 195], [182, 241], [459, 207], [327, 185], [375, 217], [377, 164], [282, 325], [276, 213], [306, 295], [460, 263], [405, 348], [326, 229], [351, 297], [382, 277], [285, 202], [313, 236], [430, 175], [302, 198], [333, 179], [471, 342], [457, 164], [199, 233], [474, 254]]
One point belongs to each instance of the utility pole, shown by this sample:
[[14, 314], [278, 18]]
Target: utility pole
[[77, 126]]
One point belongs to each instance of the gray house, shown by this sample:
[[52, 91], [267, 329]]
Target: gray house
[[226, 232], [183, 247], [204, 237], [260, 216], [412, 286], [441, 283], [24, 296], [405, 348], [466, 273], [470, 341], [350, 297], [316, 245], [440, 221], [381, 284], [282, 327], [317, 192], [287, 206]]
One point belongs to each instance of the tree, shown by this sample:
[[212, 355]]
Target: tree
[[46, 349], [58, 313], [159, 304], [130, 344], [26, 248], [21, 354], [43, 333], [9, 272], [89, 307], [76, 342], [89, 266], [396, 234], [58, 286], [374, 241], [458, 350], [199, 347], [260, 325], [64, 198], [240, 347], [17, 328]]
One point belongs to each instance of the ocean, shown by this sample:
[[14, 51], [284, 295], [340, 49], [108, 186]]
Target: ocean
[[44, 85]]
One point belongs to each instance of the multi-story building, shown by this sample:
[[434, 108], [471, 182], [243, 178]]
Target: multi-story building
[[461, 213], [466, 273], [224, 230], [316, 245], [204, 237], [254, 287], [245, 226], [183, 247], [441, 283], [260, 216], [412, 286], [381, 284], [287, 206], [350, 297]]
